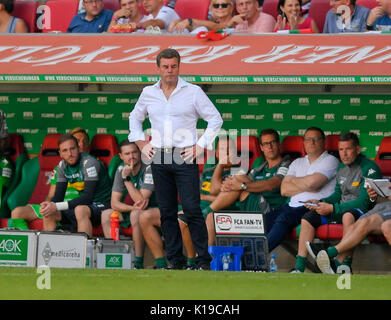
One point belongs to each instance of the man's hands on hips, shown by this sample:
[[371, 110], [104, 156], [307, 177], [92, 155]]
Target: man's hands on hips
[[191, 153]]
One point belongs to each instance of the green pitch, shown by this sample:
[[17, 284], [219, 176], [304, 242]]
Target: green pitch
[[21, 283]]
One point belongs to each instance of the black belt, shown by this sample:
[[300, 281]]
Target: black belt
[[169, 150]]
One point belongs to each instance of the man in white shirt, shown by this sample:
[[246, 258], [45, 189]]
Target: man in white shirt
[[174, 106], [159, 15], [309, 177]]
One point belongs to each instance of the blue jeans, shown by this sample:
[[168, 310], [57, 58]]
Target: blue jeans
[[169, 180], [287, 218]]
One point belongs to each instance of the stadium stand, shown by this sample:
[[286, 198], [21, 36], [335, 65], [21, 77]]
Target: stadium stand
[[26, 10], [59, 13], [383, 157], [270, 7], [293, 146], [370, 4], [318, 11], [111, 4], [104, 147], [332, 144], [17, 154], [192, 9]]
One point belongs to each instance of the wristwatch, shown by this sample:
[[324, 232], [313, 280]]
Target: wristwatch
[[244, 186], [127, 178]]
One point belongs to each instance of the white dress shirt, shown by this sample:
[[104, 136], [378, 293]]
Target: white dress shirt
[[326, 164], [174, 121]]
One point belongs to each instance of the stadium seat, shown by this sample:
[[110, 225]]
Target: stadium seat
[[332, 144], [370, 4], [58, 15], [27, 11], [270, 7], [111, 5], [34, 184], [104, 147], [293, 146], [192, 9], [318, 11], [17, 154], [250, 147], [330, 232], [3, 223], [383, 157]]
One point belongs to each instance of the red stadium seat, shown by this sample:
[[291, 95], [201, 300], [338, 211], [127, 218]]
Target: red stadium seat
[[34, 184], [318, 11], [36, 224], [58, 15], [330, 232], [293, 146], [111, 5], [192, 9], [332, 144], [383, 156], [27, 11], [248, 145], [104, 147], [3, 223], [370, 4], [270, 7]]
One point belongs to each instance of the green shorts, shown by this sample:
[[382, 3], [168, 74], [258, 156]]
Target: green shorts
[[36, 208]]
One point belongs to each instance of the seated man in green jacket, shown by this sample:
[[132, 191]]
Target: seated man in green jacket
[[344, 206]]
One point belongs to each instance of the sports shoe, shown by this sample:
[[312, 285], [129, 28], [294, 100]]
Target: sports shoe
[[323, 262], [312, 249], [190, 267], [203, 267], [294, 270]]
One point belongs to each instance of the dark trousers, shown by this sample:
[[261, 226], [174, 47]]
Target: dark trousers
[[169, 180], [288, 218]]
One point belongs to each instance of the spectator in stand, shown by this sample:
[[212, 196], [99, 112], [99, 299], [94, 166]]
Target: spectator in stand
[[345, 206], [95, 19], [160, 16], [290, 17], [253, 20], [130, 14], [380, 17], [309, 177], [345, 16], [376, 221], [22, 215], [221, 18], [8, 23]]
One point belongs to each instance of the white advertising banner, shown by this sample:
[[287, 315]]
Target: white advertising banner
[[18, 248], [243, 223], [62, 250]]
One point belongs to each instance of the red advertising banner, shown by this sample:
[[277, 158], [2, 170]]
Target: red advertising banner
[[360, 58]]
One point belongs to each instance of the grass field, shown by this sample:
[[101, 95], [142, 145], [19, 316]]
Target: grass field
[[21, 283]]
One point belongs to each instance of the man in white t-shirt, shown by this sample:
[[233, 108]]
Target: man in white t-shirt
[[309, 177], [159, 15]]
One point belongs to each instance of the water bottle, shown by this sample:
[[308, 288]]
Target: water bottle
[[225, 260], [273, 264], [114, 219]]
